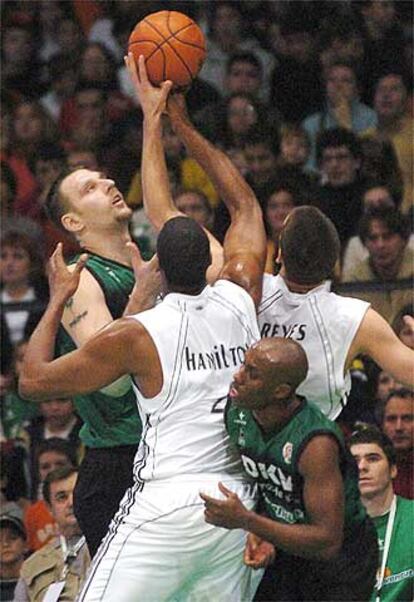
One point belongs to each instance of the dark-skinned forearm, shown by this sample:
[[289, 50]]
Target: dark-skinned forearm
[[228, 181], [309, 541]]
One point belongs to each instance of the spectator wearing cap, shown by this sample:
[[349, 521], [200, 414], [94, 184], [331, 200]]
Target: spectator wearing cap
[[64, 561], [395, 124], [342, 107], [13, 548], [390, 263]]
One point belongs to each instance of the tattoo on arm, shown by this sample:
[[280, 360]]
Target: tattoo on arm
[[69, 302], [78, 318]]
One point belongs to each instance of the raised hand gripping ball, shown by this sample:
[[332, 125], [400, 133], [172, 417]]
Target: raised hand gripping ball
[[173, 46]]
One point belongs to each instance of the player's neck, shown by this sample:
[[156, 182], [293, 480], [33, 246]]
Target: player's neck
[[111, 245], [275, 416], [379, 504], [295, 287]]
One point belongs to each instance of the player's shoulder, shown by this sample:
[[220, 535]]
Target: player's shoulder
[[232, 292]]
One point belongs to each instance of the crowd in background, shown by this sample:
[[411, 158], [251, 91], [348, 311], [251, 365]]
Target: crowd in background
[[313, 102]]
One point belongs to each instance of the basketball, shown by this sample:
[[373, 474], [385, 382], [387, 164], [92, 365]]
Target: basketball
[[173, 46]]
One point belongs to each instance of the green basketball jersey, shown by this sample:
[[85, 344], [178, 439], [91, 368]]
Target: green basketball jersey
[[271, 459], [399, 567], [108, 421]]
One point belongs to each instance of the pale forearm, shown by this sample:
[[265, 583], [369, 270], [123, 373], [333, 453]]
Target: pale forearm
[[308, 541], [40, 349], [158, 203]]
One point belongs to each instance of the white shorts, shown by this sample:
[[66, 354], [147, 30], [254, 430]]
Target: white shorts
[[159, 548]]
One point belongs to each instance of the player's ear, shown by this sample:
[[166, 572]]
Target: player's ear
[[71, 222], [282, 391]]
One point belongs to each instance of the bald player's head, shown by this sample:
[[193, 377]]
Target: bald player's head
[[272, 371]]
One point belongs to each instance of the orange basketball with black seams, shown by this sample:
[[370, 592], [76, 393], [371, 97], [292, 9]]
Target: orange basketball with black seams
[[173, 46]]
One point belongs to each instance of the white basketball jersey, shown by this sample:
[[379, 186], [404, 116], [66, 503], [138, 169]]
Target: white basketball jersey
[[324, 324], [201, 342]]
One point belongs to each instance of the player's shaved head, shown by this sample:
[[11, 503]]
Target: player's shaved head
[[283, 361]]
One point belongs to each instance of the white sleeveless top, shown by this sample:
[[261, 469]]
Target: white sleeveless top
[[201, 341], [325, 325]]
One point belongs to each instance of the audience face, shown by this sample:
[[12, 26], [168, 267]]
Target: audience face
[[15, 266], [243, 77], [28, 123], [50, 460], [340, 84], [390, 97], [385, 248], [57, 412], [12, 549], [47, 171], [261, 161], [375, 473], [294, 150], [386, 383], [17, 46], [241, 115], [279, 205], [380, 13], [378, 196], [91, 107], [398, 422], [193, 205], [339, 165], [95, 65], [227, 23], [61, 505]]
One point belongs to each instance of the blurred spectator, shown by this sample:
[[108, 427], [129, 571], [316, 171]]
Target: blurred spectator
[[50, 15], [342, 41], [284, 196], [20, 72], [398, 425], [342, 107], [7, 191], [340, 195], [261, 150], [396, 125], [40, 524], [227, 35], [392, 515], [241, 116], [376, 195], [66, 558], [379, 162], [15, 411], [23, 293], [385, 233], [63, 79], [244, 75], [57, 420], [296, 61], [13, 548], [196, 205], [70, 38], [383, 37], [294, 145]]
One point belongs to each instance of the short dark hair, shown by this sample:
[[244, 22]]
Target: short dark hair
[[183, 251], [391, 217], [244, 57], [59, 474], [309, 245], [369, 433], [60, 446], [334, 137], [55, 204], [401, 392]]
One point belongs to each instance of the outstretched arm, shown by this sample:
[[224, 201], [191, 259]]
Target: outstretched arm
[[377, 339], [158, 203], [245, 242]]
